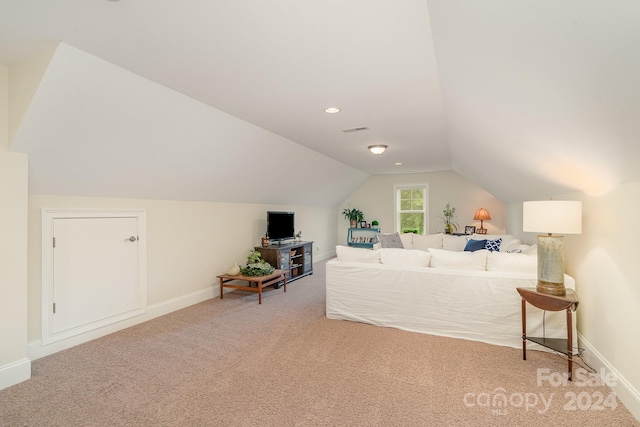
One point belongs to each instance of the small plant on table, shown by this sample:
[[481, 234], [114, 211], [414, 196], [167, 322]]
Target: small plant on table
[[256, 266]]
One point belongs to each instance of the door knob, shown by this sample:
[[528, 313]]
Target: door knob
[[131, 239]]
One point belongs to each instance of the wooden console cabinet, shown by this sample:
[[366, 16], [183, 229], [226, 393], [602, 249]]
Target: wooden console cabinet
[[296, 259]]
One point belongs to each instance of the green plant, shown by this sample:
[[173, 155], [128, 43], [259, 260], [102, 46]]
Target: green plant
[[256, 266], [353, 214], [410, 230], [374, 223], [447, 218]]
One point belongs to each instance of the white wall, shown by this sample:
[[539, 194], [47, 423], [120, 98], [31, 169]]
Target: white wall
[[376, 199], [188, 244], [14, 364], [604, 260]]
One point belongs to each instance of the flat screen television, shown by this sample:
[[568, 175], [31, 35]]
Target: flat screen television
[[280, 225]]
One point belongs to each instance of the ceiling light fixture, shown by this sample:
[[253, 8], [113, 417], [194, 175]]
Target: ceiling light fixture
[[377, 149], [332, 110]]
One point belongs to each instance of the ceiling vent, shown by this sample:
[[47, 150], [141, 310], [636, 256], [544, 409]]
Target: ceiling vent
[[355, 129]]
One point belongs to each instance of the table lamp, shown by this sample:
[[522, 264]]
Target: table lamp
[[481, 215], [551, 216]]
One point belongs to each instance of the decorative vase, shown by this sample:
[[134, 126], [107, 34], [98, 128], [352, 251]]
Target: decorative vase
[[234, 271], [354, 223], [265, 242]]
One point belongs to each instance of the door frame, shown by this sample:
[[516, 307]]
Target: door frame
[[48, 217]]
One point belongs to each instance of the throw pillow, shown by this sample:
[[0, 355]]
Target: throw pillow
[[390, 240], [475, 245], [493, 245]]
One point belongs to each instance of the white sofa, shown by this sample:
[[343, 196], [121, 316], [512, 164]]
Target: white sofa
[[440, 289]]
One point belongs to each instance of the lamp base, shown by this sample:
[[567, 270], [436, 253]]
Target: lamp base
[[548, 288], [551, 265]]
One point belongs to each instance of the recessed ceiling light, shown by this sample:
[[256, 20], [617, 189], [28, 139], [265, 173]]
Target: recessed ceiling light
[[377, 149], [332, 110], [398, 163]]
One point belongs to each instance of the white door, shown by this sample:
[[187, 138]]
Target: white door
[[95, 273]]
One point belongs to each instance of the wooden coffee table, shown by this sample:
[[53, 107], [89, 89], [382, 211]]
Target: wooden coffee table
[[260, 281]]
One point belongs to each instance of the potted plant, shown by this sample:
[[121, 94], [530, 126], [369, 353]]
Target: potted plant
[[447, 218], [353, 215], [256, 266], [375, 224]]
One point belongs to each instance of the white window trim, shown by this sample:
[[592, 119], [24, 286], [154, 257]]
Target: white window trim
[[396, 205]]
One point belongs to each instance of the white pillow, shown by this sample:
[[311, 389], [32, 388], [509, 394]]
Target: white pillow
[[454, 243], [412, 257], [424, 242], [520, 263], [463, 260], [532, 250], [349, 254]]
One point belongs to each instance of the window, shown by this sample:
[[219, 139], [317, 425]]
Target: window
[[411, 209]]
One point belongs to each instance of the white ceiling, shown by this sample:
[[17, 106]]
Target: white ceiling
[[528, 98]]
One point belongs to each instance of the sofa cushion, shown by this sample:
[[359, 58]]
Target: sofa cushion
[[459, 260], [412, 257], [519, 263], [407, 240], [424, 242], [475, 245], [390, 240], [349, 254], [454, 243]]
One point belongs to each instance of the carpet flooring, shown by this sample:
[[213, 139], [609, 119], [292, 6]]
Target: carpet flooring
[[233, 362]]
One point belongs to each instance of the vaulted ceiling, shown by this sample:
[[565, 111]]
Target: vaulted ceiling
[[220, 100]]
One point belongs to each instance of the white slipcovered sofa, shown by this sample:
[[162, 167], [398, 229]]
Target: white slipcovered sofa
[[433, 286]]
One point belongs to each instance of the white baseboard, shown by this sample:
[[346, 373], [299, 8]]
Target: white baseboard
[[627, 394], [36, 350], [325, 255], [15, 373]]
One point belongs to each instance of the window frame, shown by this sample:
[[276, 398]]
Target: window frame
[[397, 205]]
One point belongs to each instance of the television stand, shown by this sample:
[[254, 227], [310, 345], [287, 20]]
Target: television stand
[[296, 259]]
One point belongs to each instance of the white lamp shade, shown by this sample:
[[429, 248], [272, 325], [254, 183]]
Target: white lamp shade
[[552, 216]]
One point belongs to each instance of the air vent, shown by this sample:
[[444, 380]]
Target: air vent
[[355, 129]]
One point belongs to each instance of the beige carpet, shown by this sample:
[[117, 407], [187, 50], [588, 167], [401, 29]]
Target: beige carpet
[[233, 362]]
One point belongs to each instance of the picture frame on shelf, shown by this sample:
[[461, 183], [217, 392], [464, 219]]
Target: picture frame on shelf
[[363, 224], [469, 229]]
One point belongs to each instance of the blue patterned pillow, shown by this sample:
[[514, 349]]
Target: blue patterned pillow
[[475, 245], [493, 245]]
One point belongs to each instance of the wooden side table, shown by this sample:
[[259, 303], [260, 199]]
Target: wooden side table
[[568, 302], [261, 282]]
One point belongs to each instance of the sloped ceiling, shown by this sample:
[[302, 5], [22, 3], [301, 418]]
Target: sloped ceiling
[[527, 99]]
